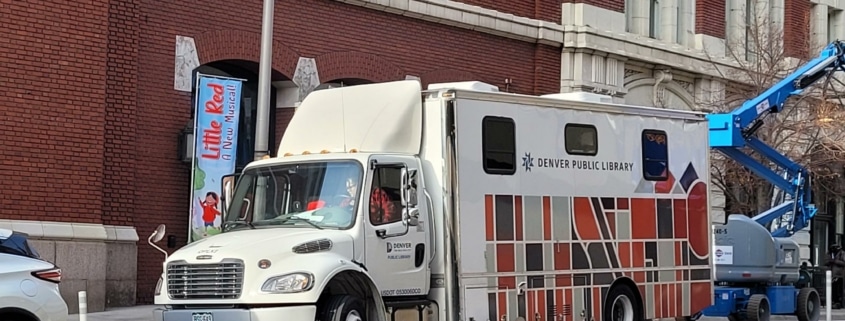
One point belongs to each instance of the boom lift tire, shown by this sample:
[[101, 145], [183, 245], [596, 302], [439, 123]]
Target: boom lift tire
[[621, 304], [758, 308], [343, 308], [809, 305]]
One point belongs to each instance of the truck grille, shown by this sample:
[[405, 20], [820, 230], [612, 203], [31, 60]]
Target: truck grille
[[222, 280]]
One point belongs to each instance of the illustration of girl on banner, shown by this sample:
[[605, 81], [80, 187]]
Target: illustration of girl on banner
[[210, 210]]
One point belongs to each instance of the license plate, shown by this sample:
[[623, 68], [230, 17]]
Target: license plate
[[202, 316]]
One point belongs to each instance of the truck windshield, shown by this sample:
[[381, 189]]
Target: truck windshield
[[310, 195]]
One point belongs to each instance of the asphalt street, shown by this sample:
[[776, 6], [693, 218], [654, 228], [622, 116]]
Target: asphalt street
[[145, 313]]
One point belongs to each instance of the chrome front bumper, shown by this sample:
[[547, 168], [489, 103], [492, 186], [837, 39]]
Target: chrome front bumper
[[291, 313]]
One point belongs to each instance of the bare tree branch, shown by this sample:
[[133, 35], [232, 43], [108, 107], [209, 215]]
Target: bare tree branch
[[808, 130]]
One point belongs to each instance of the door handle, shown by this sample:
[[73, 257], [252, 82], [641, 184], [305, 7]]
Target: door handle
[[419, 254]]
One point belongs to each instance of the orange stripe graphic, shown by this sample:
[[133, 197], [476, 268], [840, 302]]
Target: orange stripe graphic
[[488, 216], [585, 219], [547, 218]]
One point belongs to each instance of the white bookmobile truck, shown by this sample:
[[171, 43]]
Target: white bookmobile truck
[[459, 202]]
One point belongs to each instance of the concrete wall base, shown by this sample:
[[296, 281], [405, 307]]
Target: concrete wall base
[[101, 260]]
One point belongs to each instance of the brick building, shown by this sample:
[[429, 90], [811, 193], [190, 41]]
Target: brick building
[[95, 94]]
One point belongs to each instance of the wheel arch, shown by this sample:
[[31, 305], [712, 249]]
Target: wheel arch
[[627, 282], [357, 283], [28, 316]]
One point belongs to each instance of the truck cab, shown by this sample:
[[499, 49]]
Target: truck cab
[[329, 230]]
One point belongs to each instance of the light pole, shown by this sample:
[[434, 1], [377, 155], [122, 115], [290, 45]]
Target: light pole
[[262, 120]]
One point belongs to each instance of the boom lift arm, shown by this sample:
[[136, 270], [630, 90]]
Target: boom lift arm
[[729, 132]]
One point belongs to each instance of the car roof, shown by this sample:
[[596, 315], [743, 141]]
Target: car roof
[[5, 233]]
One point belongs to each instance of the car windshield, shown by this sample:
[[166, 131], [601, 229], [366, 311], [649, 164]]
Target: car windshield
[[310, 195], [17, 244]]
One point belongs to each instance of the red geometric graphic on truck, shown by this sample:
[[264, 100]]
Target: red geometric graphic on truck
[[569, 250]]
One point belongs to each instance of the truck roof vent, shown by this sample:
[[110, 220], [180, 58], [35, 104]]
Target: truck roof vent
[[582, 96], [465, 85], [313, 246]]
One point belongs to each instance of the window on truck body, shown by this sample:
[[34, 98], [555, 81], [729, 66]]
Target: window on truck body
[[581, 139], [498, 144], [655, 148]]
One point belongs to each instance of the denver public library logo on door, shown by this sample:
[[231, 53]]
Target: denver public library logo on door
[[399, 246]]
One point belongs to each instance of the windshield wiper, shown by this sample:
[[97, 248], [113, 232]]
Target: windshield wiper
[[238, 222], [297, 218]]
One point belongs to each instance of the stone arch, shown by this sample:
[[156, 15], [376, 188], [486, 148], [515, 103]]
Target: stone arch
[[636, 88], [221, 45], [356, 65], [446, 75]]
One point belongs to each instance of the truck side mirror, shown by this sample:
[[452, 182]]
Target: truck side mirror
[[158, 234], [227, 188], [413, 218], [409, 188]]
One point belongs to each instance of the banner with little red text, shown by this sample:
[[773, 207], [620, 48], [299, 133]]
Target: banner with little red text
[[218, 105]]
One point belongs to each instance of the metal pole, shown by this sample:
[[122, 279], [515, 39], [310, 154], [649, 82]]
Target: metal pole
[[827, 293], [262, 120], [83, 305]]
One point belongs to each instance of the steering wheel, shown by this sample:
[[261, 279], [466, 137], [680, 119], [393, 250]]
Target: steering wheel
[[338, 199], [335, 214]]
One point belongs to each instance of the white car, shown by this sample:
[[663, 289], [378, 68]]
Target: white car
[[29, 285]]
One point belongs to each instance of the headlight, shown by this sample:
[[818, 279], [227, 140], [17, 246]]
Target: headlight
[[158, 286], [288, 283]]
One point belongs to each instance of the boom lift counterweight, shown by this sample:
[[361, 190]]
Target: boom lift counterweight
[[757, 269]]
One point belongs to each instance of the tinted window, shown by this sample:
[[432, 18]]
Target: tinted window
[[581, 139], [17, 244], [385, 197], [499, 145], [655, 155]]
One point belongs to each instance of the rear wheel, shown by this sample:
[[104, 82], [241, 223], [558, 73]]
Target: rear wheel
[[758, 308], [622, 305], [343, 308], [809, 305]]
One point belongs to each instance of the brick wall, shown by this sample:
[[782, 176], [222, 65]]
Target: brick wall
[[615, 5], [121, 115], [373, 47], [547, 10], [52, 102], [796, 26], [710, 18]]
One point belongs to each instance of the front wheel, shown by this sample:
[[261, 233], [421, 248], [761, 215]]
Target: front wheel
[[757, 308], [621, 305], [343, 308], [809, 305]]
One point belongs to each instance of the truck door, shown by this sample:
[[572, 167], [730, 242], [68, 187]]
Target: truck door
[[396, 228]]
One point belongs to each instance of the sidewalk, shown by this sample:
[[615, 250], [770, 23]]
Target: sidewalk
[[145, 313], [135, 313]]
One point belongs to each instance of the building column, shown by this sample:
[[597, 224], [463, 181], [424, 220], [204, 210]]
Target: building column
[[709, 92]]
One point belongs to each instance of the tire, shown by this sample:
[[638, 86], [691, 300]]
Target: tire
[[758, 308], [809, 305], [621, 304], [343, 308]]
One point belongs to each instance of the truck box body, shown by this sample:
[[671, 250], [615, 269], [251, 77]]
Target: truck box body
[[511, 205], [570, 210]]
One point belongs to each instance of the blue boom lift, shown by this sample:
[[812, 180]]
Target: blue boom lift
[[757, 266]]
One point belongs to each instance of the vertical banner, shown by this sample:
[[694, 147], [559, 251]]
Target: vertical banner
[[218, 105]]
